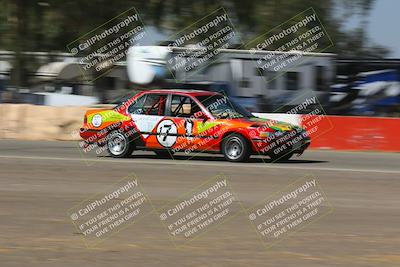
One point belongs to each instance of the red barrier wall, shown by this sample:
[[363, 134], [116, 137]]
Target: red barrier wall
[[355, 133]]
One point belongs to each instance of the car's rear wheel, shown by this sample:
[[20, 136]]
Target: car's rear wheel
[[164, 154], [235, 148], [119, 145]]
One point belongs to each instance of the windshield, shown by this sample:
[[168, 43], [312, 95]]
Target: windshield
[[221, 107]]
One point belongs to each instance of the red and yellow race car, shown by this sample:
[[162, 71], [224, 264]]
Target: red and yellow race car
[[189, 121]]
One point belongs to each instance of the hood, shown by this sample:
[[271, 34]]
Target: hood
[[272, 124]]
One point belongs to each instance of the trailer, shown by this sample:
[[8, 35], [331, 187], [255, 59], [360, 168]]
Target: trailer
[[238, 71]]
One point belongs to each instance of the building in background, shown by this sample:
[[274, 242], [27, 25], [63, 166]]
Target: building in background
[[237, 75]]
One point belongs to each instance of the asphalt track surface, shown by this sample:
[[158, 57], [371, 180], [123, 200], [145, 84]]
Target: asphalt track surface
[[41, 181]]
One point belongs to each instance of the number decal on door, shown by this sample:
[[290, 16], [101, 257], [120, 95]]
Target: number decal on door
[[189, 129], [166, 133]]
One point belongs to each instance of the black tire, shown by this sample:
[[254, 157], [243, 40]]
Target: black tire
[[235, 148], [119, 145], [281, 157], [164, 154]]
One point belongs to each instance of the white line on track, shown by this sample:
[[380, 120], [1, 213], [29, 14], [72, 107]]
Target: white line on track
[[219, 164]]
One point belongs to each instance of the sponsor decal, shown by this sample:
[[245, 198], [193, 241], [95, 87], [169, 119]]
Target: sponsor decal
[[204, 126], [281, 127], [97, 120], [108, 116], [189, 129]]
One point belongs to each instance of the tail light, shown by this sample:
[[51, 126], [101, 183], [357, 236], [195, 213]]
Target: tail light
[[84, 119]]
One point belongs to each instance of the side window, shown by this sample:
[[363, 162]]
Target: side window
[[137, 106], [155, 104], [183, 106]]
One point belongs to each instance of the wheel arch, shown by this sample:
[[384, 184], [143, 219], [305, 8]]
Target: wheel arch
[[125, 128], [232, 131]]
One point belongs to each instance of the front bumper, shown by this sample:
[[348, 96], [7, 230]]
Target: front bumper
[[287, 142], [300, 147]]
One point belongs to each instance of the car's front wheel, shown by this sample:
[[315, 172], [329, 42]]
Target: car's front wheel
[[119, 145], [235, 148]]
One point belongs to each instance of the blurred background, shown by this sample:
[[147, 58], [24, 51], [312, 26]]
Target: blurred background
[[358, 75], [44, 94]]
